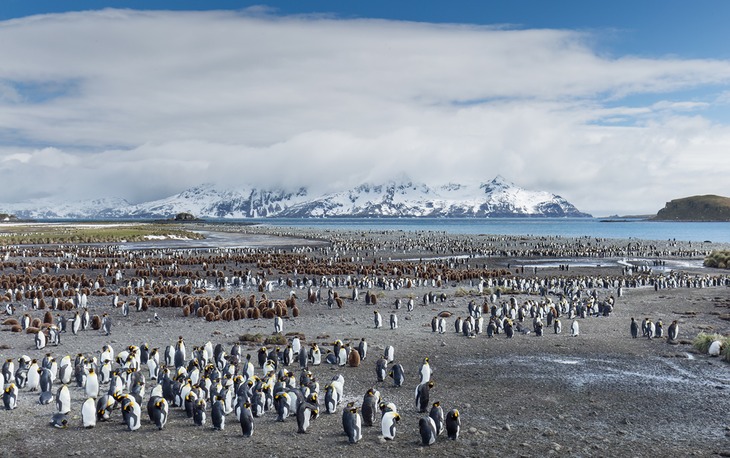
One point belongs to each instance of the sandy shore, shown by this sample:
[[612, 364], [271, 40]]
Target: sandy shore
[[600, 393]]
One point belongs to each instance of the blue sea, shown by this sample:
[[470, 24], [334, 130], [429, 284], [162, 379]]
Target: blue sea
[[565, 227]]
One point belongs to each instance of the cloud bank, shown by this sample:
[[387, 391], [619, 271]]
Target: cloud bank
[[142, 105]]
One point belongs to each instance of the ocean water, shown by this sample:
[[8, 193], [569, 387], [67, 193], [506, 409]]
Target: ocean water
[[566, 227]]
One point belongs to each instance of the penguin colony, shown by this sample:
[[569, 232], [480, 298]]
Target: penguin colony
[[143, 387]]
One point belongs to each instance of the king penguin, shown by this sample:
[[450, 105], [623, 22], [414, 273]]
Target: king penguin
[[91, 387], [10, 396], [352, 423], [574, 328], [306, 413], [673, 331], [246, 420], [59, 420], [425, 370], [217, 415], [381, 369], [63, 399], [453, 424], [134, 414], [634, 328], [377, 319], [388, 423], [427, 428], [88, 413], [369, 408], [437, 415], [157, 409], [423, 396], [398, 375]]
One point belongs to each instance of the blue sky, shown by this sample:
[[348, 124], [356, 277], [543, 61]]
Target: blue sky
[[617, 106]]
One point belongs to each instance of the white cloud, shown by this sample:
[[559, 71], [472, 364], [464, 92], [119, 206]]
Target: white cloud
[[146, 104]]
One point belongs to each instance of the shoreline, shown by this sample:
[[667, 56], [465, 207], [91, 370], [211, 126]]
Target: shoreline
[[599, 393]]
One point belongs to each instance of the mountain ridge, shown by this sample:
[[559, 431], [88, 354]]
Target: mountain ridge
[[401, 198]]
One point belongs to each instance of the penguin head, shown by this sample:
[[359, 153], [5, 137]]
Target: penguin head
[[430, 384], [437, 404]]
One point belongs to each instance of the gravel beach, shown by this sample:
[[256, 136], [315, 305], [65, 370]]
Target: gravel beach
[[600, 393]]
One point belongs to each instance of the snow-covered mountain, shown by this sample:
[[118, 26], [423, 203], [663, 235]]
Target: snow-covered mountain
[[498, 198], [402, 198]]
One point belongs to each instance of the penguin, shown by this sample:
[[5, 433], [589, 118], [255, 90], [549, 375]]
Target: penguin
[[8, 369], [509, 331], [659, 329], [46, 380], [91, 387], [441, 326], [63, 399], [281, 405], [331, 398], [389, 353], [393, 321], [263, 356], [369, 408], [40, 340], [673, 331], [377, 319], [342, 356], [362, 348], [134, 414], [157, 410], [246, 420], [574, 328], [199, 413], [278, 325], [180, 355], [217, 415], [422, 396], [190, 401], [714, 349], [10, 396], [104, 406], [381, 369], [65, 370], [388, 423], [427, 428], [557, 326], [453, 424], [458, 325], [352, 424], [306, 413], [398, 375], [45, 398], [88, 413], [106, 324], [315, 355], [437, 415], [59, 420], [425, 370], [33, 376], [634, 328], [650, 329], [434, 323]]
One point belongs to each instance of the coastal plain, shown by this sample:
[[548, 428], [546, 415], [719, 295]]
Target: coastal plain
[[599, 393]]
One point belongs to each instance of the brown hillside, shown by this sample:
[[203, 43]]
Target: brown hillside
[[696, 208]]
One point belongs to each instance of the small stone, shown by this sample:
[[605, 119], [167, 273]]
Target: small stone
[[467, 406], [443, 344], [548, 433], [555, 446], [472, 430], [507, 427], [625, 421]]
